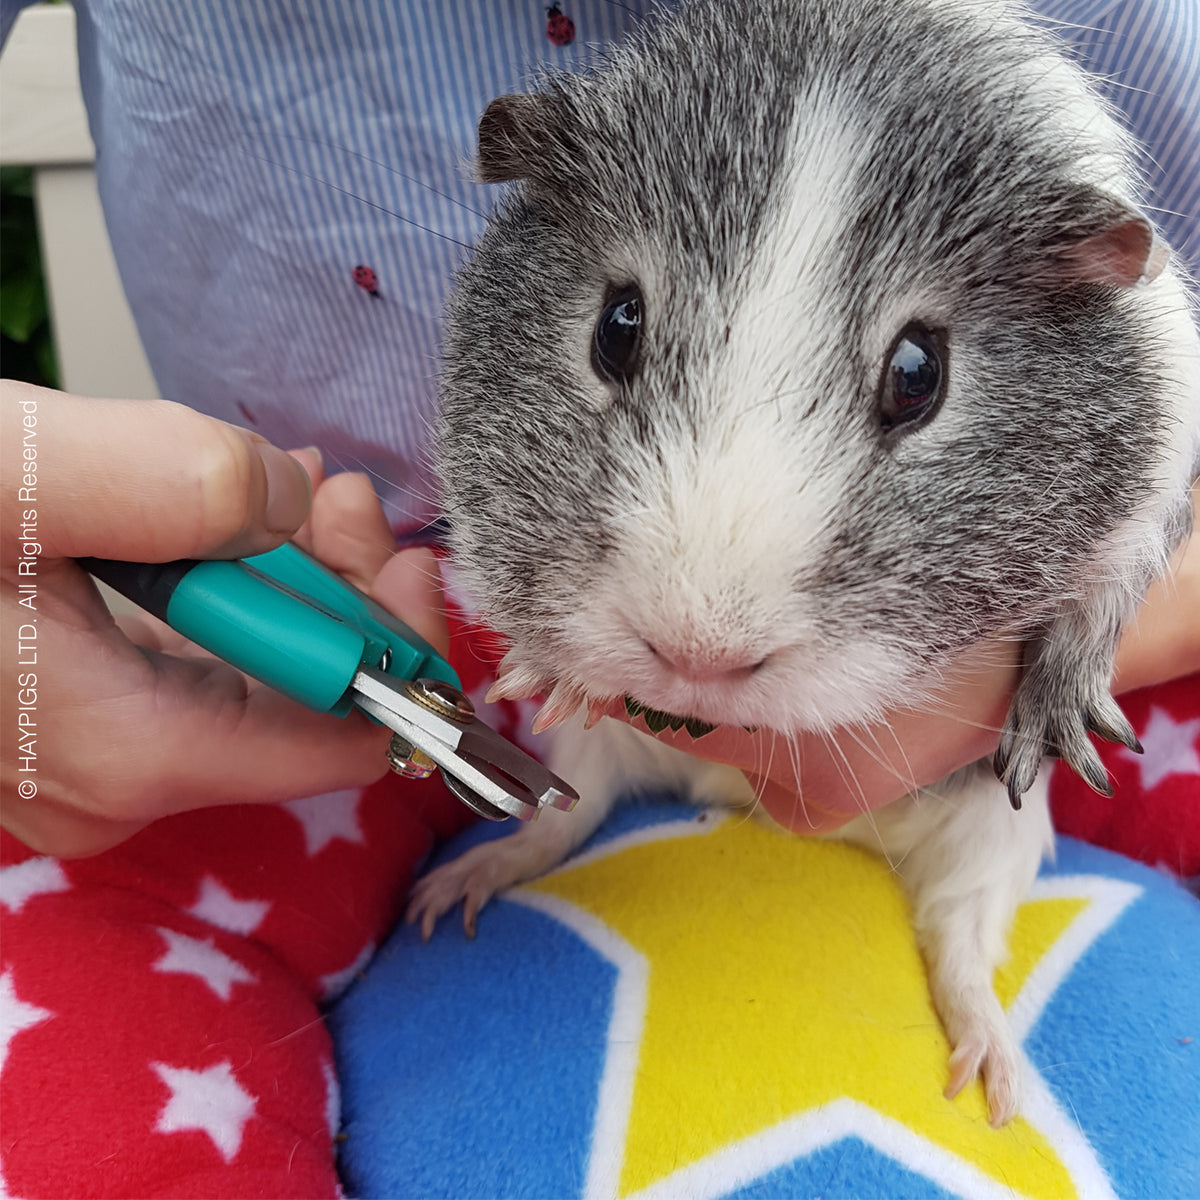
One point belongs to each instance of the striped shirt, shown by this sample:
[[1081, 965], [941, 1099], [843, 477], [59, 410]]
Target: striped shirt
[[252, 154]]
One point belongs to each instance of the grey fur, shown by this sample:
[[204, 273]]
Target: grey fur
[[669, 162]]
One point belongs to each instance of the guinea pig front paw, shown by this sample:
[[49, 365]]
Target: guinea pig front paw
[[484, 870], [474, 878], [1051, 717]]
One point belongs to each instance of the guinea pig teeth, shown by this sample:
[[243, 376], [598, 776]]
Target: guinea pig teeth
[[657, 721]]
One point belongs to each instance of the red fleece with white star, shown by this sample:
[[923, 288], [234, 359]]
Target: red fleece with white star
[[160, 1022], [1154, 812], [160, 1004]]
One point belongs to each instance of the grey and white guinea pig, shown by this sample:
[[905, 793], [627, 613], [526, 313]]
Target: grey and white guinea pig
[[815, 343]]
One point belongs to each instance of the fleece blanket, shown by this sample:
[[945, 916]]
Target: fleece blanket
[[697, 1006], [161, 1004], [674, 1013]]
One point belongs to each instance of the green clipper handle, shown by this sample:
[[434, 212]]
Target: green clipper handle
[[281, 617]]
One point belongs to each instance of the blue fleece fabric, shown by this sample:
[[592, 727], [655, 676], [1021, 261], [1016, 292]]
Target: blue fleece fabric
[[474, 1069]]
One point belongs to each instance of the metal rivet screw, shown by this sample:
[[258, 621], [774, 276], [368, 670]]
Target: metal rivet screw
[[441, 698], [405, 759]]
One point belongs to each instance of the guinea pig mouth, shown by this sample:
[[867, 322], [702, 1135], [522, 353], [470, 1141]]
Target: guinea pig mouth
[[657, 721]]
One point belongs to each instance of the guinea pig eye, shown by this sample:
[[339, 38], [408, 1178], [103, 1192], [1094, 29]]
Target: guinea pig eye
[[618, 335], [912, 380]]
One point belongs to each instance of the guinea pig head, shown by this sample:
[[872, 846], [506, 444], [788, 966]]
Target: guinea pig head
[[797, 359]]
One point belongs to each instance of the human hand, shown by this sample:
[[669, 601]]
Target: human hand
[[813, 784], [127, 722], [1164, 642]]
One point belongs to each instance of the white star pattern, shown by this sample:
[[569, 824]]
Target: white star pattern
[[1169, 749], [211, 1101], [333, 1100], [33, 877], [743, 1161], [190, 956], [325, 818], [15, 1015], [336, 982], [221, 908]]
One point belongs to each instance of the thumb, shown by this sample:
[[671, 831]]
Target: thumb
[[143, 480]]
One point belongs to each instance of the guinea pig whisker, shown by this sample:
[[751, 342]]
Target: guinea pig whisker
[[764, 761], [423, 496], [359, 465], [1046, 22], [383, 166], [851, 778], [959, 719], [877, 757], [270, 131], [793, 749], [905, 776], [263, 158], [625, 8]]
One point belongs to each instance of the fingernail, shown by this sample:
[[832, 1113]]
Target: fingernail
[[289, 490]]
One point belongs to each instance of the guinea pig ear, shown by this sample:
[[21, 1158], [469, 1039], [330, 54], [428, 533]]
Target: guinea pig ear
[[1117, 247], [514, 135]]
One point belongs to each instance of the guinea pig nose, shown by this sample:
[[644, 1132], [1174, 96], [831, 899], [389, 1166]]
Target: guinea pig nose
[[707, 664]]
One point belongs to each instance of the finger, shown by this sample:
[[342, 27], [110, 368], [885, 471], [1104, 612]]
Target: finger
[[276, 750], [1164, 641], [409, 586], [150, 633], [821, 782], [282, 752], [49, 828], [813, 783], [148, 481], [152, 733], [349, 532], [311, 460], [214, 739], [795, 812]]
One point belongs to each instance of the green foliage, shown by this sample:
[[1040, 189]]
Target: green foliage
[[26, 342]]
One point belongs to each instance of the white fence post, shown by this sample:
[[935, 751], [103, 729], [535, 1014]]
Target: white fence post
[[43, 125]]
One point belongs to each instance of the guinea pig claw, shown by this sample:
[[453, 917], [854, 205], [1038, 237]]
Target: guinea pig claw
[[1092, 773], [1078, 752], [596, 712], [1042, 723], [562, 703], [1014, 796], [1110, 723], [516, 682], [504, 688], [1016, 766]]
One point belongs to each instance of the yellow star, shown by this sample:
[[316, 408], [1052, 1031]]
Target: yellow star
[[772, 982]]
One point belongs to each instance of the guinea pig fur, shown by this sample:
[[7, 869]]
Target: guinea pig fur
[[813, 345]]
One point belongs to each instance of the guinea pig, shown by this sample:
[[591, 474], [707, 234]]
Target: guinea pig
[[814, 345]]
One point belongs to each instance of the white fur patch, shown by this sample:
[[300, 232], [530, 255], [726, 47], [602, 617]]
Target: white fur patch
[[709, 559]]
